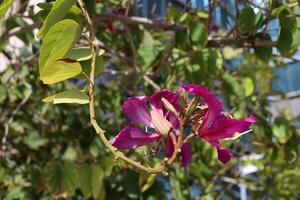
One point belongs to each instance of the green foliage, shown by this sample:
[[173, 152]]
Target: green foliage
[[56, 44], [264, 53], [58, 11], [249, 21], [71, 96], [4, 6], [147, 49], [61, 177], [198, 34]]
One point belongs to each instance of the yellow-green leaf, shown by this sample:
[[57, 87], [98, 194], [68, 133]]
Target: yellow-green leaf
[[59, 9], [60, 70], [58, 41], [70, 96], [4, 6], [82, 53], [56, 44]]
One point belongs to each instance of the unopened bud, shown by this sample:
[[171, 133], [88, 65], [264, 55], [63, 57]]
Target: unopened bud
[[183, 95], [192, 105], [161, 124], [169, 106]]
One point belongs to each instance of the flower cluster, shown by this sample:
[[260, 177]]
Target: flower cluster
[[168, 115]]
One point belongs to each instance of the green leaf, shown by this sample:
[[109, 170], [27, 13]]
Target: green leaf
[[91, 181], [248, 21], [60, 70], [82, 53], [85, 174], [70, 153], [97, 182], [285, 41], [287, 20], [262, 52], [276, 11], [4, 6], [58, 41], [86, 67], [70, 96], [197, 70], [173, 14], [198, 34], [147, 49], [282, 130], [176, 190], [60, 177], [146, 181], [74, 13], [214, 61], [202, 14], [229, 52], [59, 10], [181, 39], [35, 141], [248, 86], [3, 93]]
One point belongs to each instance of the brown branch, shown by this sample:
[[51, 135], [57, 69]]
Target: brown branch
[[243, 41], [19, 30], [160, 24]]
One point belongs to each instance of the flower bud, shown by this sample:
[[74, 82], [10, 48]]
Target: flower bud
[[192, 105], [161, 124], [169, 106], [183, 95]]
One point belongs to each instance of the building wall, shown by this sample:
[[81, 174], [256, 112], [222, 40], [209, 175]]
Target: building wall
[[292, 104]]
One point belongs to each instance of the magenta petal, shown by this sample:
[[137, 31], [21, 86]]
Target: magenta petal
[[224, 155], [225, 127], [156, 103], [186, 155], [214, 105], [169, 147], [135, 108], [132, 137]]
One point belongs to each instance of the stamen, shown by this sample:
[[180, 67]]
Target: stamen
[[238, 135]]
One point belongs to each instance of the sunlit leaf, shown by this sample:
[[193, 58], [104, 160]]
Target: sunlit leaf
[[58, 41], [248, 86], [57, 13], [147, 49], [70, 96], [82, 53], [281, 129], [4, 6], [198, 34], [35, 141], [60, 70]]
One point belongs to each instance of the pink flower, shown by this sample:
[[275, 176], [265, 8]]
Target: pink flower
[[212, 125], [159, 119]]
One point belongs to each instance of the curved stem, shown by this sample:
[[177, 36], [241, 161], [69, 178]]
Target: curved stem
[[119, 155]]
